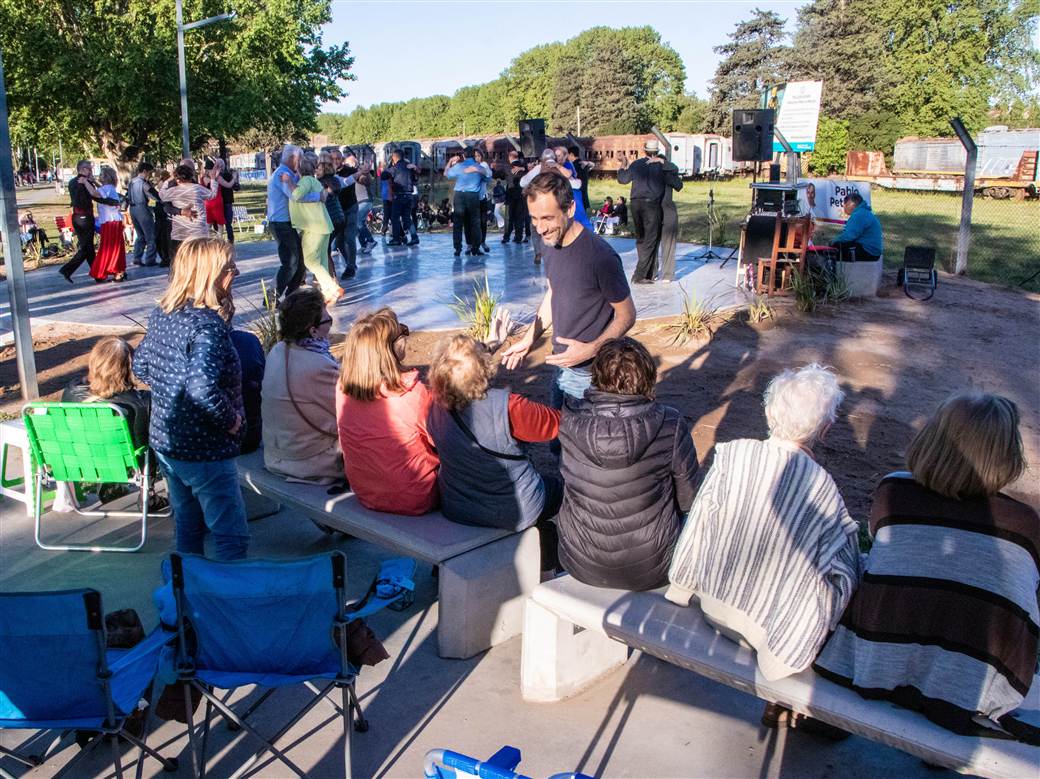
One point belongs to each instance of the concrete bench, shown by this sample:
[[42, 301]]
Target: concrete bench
[[485, 574], [575, 634]]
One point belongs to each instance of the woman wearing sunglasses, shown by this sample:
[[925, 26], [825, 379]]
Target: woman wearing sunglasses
[[298, 399], [381, 407]]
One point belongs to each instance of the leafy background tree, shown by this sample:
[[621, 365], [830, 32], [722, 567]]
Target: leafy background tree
[[625, 80], [104, 73], [754, 57], [832, 145]]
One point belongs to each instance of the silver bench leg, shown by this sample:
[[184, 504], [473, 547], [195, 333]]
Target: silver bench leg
[[482, 594], [560, 659]]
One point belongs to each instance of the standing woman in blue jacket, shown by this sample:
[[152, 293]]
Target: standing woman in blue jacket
[[197, 422]]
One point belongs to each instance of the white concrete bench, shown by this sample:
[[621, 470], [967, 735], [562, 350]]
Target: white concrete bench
[[485, 574], [575, 634]]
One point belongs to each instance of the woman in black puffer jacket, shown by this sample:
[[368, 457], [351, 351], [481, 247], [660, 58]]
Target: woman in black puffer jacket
[[629, 468]]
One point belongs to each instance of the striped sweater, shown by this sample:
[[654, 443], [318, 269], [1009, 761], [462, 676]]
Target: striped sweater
[[946, 619], [770, 551]]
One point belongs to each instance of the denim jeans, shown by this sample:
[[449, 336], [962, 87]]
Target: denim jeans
[[290, 255], [364, 234], [206, 498], [144, 228], [569, 381]]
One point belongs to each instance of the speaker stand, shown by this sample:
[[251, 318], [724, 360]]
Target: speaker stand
[[709, 253]]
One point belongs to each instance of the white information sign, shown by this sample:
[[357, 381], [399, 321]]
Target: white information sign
[[798, 113]]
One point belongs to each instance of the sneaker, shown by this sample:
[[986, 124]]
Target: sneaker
[[349, 273], [394, 242], [484, 246], [414, 242]]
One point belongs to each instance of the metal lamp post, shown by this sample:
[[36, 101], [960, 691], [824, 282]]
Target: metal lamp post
[[181, 29]]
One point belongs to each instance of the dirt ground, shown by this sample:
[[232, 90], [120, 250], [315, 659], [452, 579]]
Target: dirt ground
[[896, 359]]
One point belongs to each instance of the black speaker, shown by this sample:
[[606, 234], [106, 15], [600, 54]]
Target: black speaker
[[753, 135], [532, 137]]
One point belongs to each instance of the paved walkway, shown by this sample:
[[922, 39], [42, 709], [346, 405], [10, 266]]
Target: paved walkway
[[418, 282]]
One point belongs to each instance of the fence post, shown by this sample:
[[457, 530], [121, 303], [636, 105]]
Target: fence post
[[964, 234]]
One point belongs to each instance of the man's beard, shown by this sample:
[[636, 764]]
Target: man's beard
[[563, 231]]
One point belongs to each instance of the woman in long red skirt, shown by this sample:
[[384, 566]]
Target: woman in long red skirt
[[111, 255], [215, 206]]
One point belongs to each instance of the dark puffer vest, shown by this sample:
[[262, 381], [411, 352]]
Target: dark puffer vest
[[629, 467], [476, 487]]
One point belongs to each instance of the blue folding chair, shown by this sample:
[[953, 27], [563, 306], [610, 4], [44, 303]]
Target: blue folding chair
[[445, 764], [271, 624], [56, 673]]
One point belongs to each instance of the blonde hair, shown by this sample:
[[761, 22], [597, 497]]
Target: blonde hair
[[800, 404], [108, 176], [460, 373], [971, 447], [108, 368], [370, 366], [194, 277]]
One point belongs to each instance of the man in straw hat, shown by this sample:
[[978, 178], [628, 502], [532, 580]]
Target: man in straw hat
[[647, 176]]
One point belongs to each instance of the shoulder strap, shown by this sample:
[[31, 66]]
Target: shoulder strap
[[288, 389], [469, 434]]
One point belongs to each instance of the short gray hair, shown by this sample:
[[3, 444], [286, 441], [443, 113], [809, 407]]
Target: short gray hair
[[308, 165], [801, 404], [289, 151]]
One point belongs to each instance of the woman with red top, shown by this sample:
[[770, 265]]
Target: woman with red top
[[111, 254], [486, 478], [381, 408]]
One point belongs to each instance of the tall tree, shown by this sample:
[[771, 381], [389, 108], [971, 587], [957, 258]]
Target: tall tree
[[104, 72], [835, 42], [637, 84], [692, 116], [754, 58], [946, 58]]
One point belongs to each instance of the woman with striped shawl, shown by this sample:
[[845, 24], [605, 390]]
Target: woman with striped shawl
[[946, 620], [769, 549]]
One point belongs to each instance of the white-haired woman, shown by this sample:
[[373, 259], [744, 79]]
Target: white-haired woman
[[769, 548], [279, 192]]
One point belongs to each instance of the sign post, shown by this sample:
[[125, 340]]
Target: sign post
[[17, 296]]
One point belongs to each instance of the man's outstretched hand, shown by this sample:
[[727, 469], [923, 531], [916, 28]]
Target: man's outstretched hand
[[576, 353]]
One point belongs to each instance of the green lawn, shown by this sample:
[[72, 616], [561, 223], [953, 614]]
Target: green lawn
[[1005, 242]]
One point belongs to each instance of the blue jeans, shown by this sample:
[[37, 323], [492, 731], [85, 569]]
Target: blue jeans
[[206, 498], [569, 381], [144, 228], [364, 234]]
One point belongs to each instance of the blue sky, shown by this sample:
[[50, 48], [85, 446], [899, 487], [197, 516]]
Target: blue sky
[[446, 45]]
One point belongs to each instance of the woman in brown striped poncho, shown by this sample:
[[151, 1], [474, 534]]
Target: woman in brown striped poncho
[[945, 620]]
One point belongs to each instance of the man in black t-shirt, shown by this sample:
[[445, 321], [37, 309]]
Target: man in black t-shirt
[[587, 301]]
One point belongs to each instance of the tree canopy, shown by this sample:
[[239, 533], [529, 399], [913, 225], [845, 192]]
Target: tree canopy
[[104, 72], [754, 58], [624, 80]]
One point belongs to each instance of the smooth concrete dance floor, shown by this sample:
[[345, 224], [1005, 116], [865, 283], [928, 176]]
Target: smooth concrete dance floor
[[418, 282]]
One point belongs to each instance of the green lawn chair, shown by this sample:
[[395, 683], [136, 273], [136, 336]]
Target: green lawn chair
[[86, 443]]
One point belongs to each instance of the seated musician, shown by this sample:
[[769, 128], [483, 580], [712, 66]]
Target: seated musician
[[861, 240]]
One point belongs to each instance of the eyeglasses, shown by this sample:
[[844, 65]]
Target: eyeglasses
[[326, 321], [231, 268], [402, 332]]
